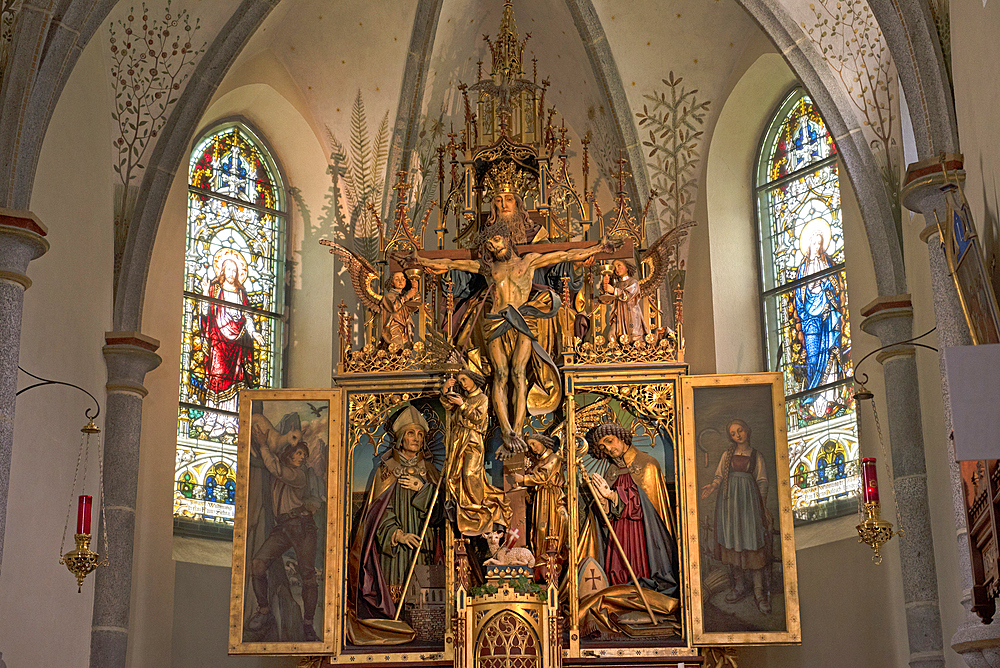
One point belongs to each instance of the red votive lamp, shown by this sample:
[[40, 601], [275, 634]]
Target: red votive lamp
[[83, 513], [869, 480]]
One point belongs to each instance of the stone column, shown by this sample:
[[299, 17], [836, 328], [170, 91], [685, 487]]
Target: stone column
[[22, 239], [979, 644], [891, 320], [129, 356]]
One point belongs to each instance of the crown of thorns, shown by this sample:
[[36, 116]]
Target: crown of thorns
[[498, 227]]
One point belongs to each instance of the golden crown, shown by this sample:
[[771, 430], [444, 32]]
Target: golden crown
[[507, 177]]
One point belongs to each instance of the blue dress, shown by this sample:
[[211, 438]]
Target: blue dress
[[819, 309]]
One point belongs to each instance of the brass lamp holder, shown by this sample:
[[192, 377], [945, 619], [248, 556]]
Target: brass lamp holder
[[82, 561], [874, 531]]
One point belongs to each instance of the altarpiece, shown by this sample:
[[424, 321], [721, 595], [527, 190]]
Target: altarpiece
[[514, 468]]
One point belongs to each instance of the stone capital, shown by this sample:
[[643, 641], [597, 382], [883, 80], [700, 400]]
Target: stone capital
[[922, 186], [22, 239], [977, 643], [129, 356], [890, 318]]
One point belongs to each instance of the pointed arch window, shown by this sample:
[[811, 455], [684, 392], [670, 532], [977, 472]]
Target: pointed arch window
[[807, 331], [234, 269]]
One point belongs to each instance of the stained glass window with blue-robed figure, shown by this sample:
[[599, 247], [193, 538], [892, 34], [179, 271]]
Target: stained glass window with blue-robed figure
[[804, 288], [233, 300]]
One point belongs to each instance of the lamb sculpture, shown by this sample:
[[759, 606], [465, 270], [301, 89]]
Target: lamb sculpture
[[506, 556]]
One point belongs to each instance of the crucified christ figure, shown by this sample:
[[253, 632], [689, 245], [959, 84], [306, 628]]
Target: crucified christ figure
[[510, 340]]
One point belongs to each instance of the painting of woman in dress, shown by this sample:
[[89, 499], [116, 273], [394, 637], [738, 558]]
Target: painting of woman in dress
[[741, 547], [742, 521]]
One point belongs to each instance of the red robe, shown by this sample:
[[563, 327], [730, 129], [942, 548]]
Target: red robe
[[629, 529], [229, 353]]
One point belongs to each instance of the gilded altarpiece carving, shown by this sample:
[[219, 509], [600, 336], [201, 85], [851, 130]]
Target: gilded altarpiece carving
[[509, 454]]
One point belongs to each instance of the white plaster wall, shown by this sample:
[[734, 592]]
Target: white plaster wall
[[975, 53], [153, 567], [201, 641], [729, 188], [43, 620]]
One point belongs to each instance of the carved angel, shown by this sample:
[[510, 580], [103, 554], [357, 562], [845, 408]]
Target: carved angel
[[396, 305], [625, 294]]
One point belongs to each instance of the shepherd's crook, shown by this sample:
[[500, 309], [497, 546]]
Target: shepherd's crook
[[427, 520]]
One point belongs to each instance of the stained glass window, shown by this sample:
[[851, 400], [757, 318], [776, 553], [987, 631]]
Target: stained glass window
[[232, 313], [804, 288]]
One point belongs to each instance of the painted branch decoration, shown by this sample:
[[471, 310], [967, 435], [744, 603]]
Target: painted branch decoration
[[360, 174], [8, 12], [151, 60], [852, 43], [672, 120]]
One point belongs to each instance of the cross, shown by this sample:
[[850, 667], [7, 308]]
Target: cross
[[401, 184], [622, 161], [593, 577], [563, 142]]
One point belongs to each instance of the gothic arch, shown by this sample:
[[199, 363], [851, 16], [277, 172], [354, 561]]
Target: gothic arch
[[812, 70], [602, 60], [411, 92], [913, 41], [804, 59], [171, 151], [48, 40]]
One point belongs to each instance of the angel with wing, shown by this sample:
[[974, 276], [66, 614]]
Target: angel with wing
[[626, 293], [396, 305]]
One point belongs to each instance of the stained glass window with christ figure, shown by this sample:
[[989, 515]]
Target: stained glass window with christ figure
[[804, 288], [233, 300]]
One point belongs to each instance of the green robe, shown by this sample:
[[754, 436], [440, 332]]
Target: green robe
[[406, 512]]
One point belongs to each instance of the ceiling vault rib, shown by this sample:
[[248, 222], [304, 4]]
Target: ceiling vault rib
[[411, 95], [605, 69], [169, 153]]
